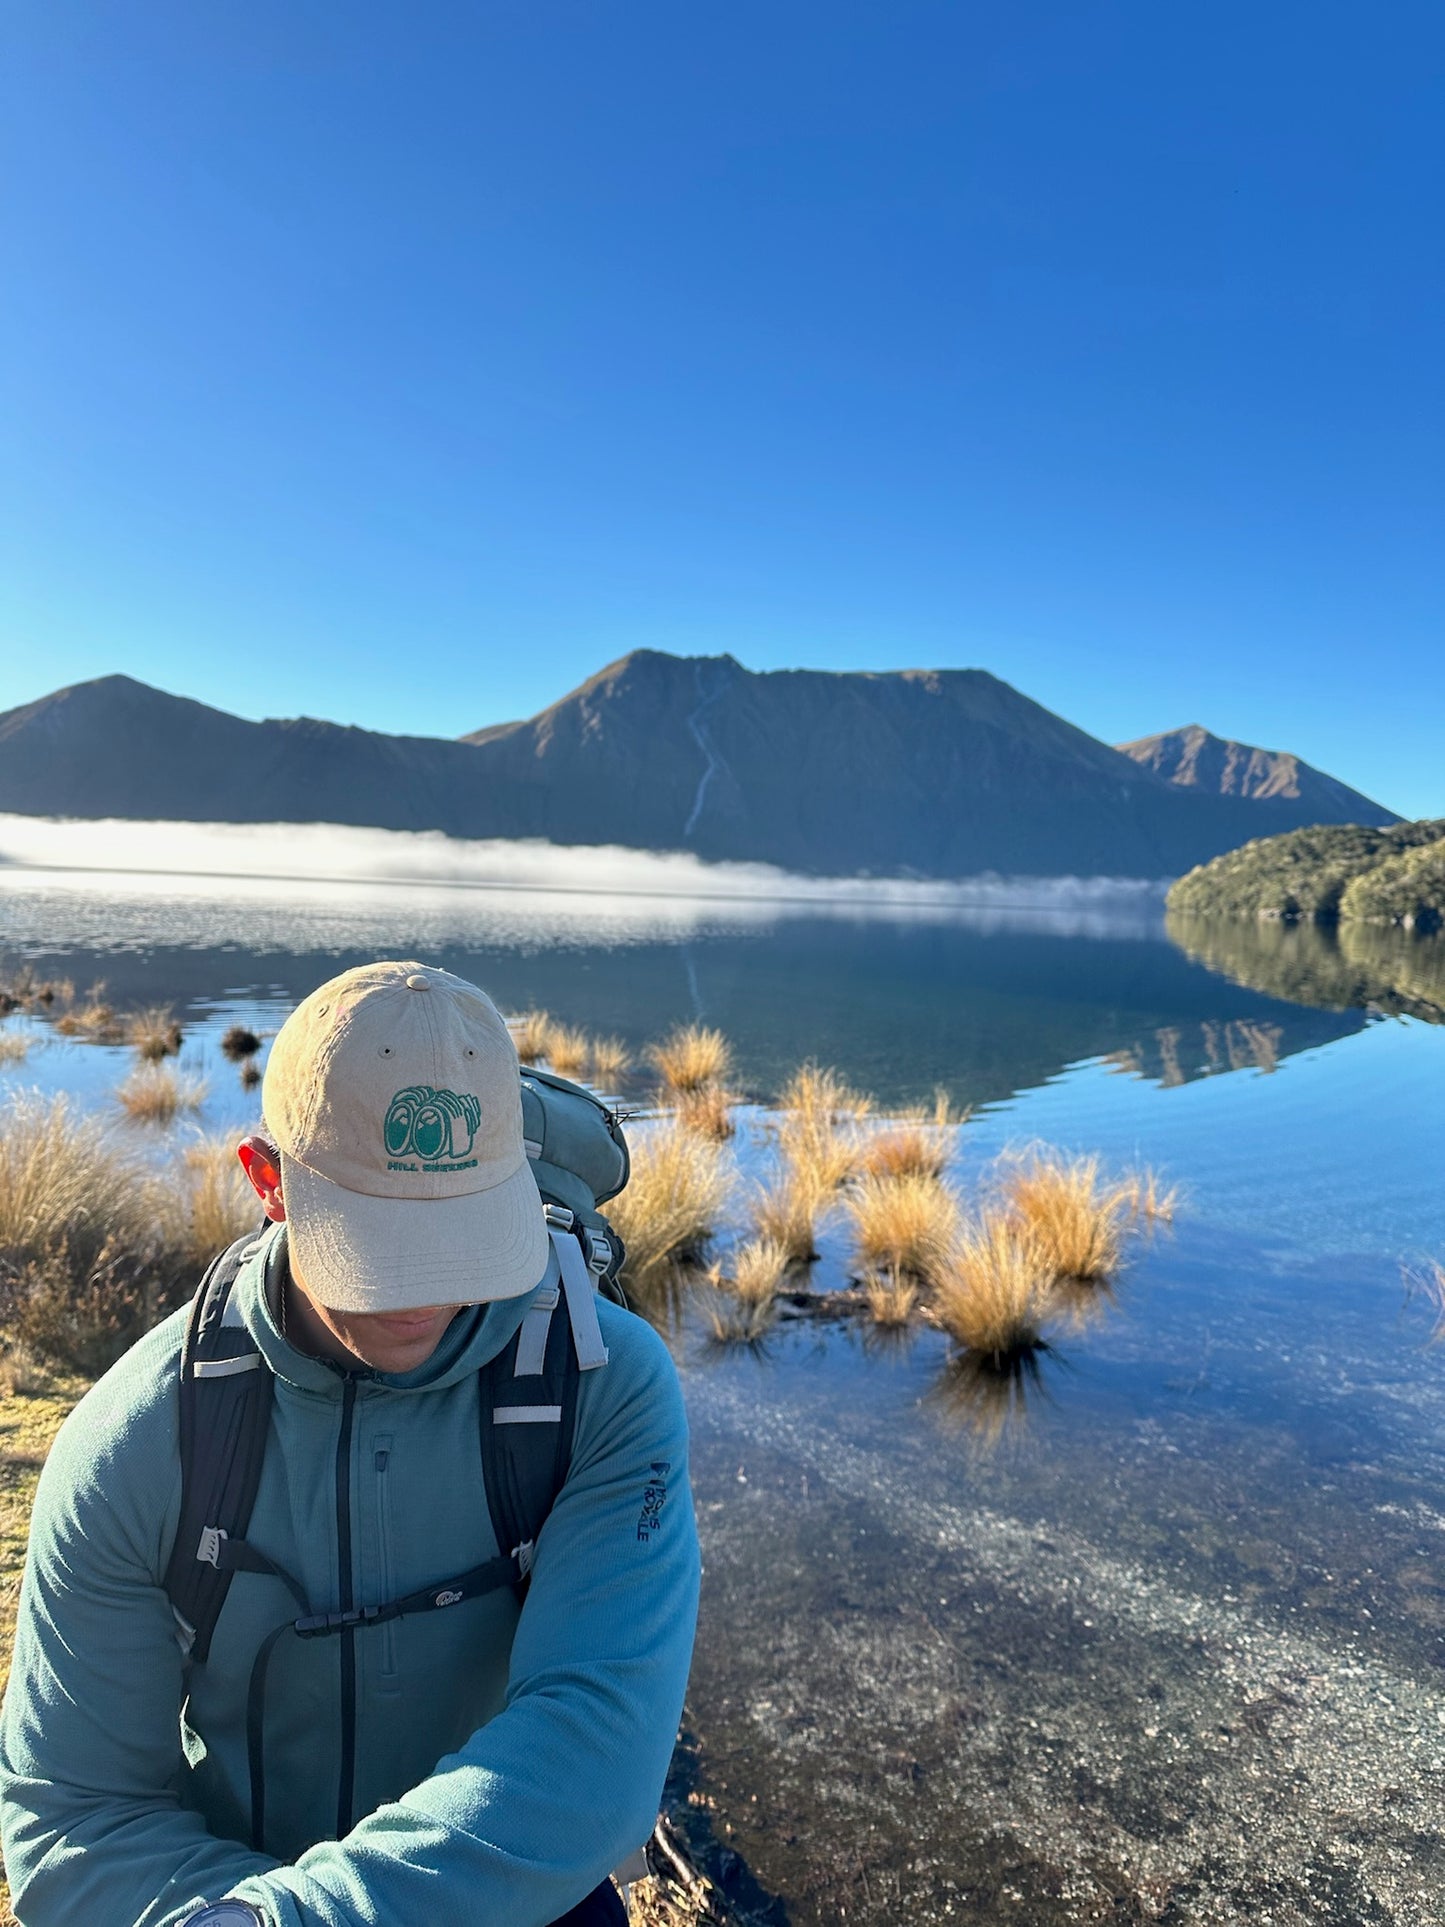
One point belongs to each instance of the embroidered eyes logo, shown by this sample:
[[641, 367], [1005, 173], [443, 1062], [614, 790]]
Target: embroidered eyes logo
[[436, 1126]]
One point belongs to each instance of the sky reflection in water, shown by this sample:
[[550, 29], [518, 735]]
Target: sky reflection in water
[[1189, 1612]]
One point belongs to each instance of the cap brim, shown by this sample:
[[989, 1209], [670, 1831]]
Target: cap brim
[[355, 1252]]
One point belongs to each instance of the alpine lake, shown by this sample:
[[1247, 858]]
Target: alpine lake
[[1167, 1646]]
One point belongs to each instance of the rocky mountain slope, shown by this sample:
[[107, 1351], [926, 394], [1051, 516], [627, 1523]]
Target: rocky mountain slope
[[1194, 759], [938, 773]]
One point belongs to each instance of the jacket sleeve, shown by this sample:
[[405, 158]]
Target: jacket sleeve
[[90, 1740], [543, 1801]]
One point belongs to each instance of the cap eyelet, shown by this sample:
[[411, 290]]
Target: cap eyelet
[[385, 1050]]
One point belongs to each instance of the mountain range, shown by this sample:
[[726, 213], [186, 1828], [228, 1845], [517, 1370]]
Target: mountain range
[[936, 773]]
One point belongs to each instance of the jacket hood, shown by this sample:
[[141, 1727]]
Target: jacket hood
[[474, 1336]]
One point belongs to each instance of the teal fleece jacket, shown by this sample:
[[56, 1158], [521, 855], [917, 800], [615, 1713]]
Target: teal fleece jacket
[[505, 1760]]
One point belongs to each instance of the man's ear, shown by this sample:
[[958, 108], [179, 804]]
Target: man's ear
[[261, 1162]]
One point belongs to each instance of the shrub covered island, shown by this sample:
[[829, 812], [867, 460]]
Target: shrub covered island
[[1328, 873]]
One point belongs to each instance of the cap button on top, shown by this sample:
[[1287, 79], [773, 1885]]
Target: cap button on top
[[417, 982]]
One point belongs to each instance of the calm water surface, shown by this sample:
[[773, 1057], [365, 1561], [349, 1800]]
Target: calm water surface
[[1173, 1648]]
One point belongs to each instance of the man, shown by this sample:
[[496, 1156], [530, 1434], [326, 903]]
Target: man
[[487, 1763]]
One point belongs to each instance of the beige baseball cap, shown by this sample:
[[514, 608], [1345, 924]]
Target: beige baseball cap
[[394, 1097]]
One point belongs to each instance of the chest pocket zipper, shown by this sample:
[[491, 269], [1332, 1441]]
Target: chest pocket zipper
[[381, 1461]]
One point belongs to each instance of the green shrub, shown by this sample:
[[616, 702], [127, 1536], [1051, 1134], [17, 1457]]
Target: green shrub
[[1408, 889], [1302, 874]]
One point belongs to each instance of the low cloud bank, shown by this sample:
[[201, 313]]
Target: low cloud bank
[[340, 853]]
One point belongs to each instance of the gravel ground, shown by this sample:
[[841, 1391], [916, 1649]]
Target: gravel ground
[[916, 1707]]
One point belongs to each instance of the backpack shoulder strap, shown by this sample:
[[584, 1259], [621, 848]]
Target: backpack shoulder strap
[[225, 1409], [528, 1398]]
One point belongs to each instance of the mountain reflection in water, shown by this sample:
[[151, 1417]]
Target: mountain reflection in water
[[1354, 966], [982, 1003]]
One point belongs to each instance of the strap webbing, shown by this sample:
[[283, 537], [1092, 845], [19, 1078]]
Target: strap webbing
[[581, 1289], [237, 1556]]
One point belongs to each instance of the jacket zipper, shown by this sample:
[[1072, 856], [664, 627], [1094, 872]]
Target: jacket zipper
[[345, 1792], [387, 1632]]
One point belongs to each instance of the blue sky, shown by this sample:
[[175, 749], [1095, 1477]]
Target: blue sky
[[404, 365]]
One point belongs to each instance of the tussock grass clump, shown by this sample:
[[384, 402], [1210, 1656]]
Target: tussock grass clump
[[758, 1270], [250, 1078], [733, 1321], [905, 1224], [94, 1021], [532, 1034], [818, 1136], [154, 1034], [740, 1303], [691, 1057], [740, 1307], [916, 1144], [239, 1043], [568, 1050], [1148, 1199], [892, 1297], [993, 1293], [609, 1058], [708, 1112], [208, 1202], [63, 1180], [678, 1191], [84, 1266], [786, 1211], [153, 1094], [1074, 1217], [22, 989], [14, 1046]]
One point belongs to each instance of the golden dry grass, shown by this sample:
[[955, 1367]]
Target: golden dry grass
[[531, 1033], [1148, 1199], [63, 1181], [814, 1092], [741, 1299], [892, 1297], [14, 1046], [206, 1200], [733, 1321], [94, 1020], [708, 1112], [154, 1094], [818, 1130], [917, 1143], [992, 1295], [23, 989], [153, 1033], [568, 1050], [905, 1224], [84, 1263], [758, 1270], [787, 1209], [1076, 1219], [691, 1057], [678, 1191], [608, 1058]]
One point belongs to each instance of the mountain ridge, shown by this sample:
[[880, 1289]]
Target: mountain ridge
[[922, 772]]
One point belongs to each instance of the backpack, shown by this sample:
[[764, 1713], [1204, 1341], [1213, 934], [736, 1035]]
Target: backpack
[[527, 1401]]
